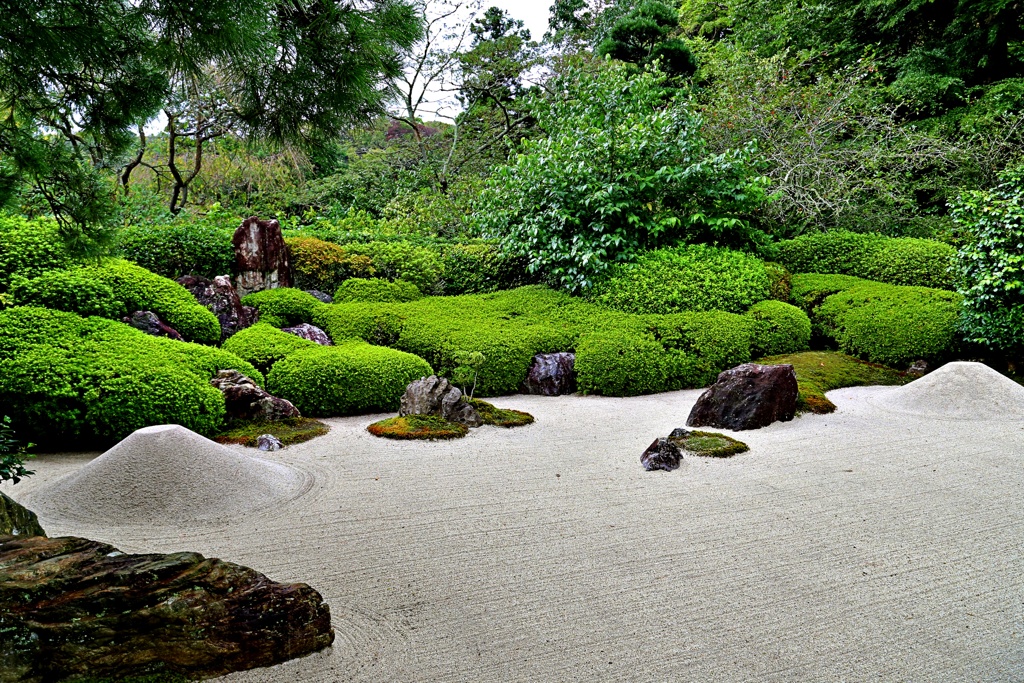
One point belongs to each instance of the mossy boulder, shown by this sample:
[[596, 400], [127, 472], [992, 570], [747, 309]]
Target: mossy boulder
[[500, 417], [707, 444], [17, 520]]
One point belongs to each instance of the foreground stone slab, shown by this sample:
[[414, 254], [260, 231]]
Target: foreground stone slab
[[70, 606], [749, 396], [17, 520]]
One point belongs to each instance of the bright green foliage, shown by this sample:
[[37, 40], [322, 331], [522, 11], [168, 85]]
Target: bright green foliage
[[810, 289], [890, 324], [66, 378], [263, 345], [821, 371], [324, 266], [69, 290], [991, 264], [622, 169], [12, 454], [140, 290], [181, 248], [777, 328], [376, 289], [284, 306], [644, 35], [344, 380], [29, 248], [896, 261], [688, 278]]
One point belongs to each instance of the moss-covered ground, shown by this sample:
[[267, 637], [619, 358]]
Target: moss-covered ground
[[710, 444], [500, 417], [418, 427], [289, 431], [821, 371]]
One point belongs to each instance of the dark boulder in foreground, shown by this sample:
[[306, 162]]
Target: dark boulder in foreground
[[244, 401], [661, 455], [17, 520], [551, 374], [220, 297], [150, 323], [749, 396], [437, 396], [71, 607]]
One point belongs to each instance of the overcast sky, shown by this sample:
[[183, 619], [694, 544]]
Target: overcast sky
[[534, 13]]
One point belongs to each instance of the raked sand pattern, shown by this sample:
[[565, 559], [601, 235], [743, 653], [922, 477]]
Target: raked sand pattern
[[873, 544]]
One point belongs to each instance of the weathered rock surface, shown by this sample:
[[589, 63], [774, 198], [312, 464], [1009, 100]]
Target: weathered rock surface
[[17, 520], [661, 455], [262, 260], [70, 606], [551, 374], [220, 297], [437, 396], [919, 368], [749, 396], [150, 323], [268, 442], [246, 401], [321, 296], [310, 332]]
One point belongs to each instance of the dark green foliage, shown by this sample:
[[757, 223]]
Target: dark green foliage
[[780, 281], [644, 35], [419, 427], [263, 345], [500, 417], [284, 306], [323, 265], [821, 371], [480, 267], [29, 248], [12, 454], [376, 289], [896, 261], [402, 261], [140, 290], [68, 378], [710, 444], [777, 328], [810, 289], [688, 278], [891, 324], [69, 290], [344, 380], [991, 265], [180, 248], [288, 431]]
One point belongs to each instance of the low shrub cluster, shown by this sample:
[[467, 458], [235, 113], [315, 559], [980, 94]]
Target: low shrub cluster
[[68, 290], [376, 290], [262, 345], [688, 278], [893, 260], [29, 248], [323, 265], [68, 378], [284, 306], [201, 247], [778, 327]]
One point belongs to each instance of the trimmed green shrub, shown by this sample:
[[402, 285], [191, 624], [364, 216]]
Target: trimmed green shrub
[[284, 306], [688, 278], [403, 261], [376, 323], [778, 328], [68, 378], [29, 248], [891, 324], [481, 267], [71, 291], [620, 362], [376, 290], [810, 289], [836, 251], [323, 265], [140, 290], [263, 345], [344, 380], [179, 248]]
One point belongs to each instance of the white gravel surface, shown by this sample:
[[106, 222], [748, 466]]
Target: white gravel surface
[[868, 545]]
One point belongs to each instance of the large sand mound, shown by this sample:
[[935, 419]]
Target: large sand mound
[[959, 391], [168, 473]]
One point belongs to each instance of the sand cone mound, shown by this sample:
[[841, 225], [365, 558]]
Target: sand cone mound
[[959, 391], [168, 474]]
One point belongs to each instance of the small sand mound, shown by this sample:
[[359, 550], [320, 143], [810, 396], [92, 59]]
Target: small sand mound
[[959, 391], [168, 474]]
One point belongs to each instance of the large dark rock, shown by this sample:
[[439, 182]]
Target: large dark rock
[[245, 401], [17, 520], [551, 374], [310, 332], [437, 396], [661, 455], [220, 297], [72, 607], [150, 323], [748, 396], [262, 260]]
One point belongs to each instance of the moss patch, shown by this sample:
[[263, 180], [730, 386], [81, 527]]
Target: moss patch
[[710, 444], [821, 371], [289, 431], [418, 427], [500, 417]]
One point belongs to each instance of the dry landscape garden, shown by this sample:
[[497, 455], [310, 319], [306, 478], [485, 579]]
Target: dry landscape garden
[[383, 340]]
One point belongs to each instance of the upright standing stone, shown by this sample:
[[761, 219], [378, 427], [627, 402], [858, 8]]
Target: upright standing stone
[[262, 260]]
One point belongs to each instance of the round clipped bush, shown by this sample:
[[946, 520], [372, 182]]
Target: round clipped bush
[[778, 328], [481, 267], [68, 290], [689, 278], [836, 251], [890, 324], [376, 290], [402, 261], [29, 248], [140, 290], [620, 362], [284, 306], [345, 380], [263, 345], [179, 248], [324, 265], [911, 261]]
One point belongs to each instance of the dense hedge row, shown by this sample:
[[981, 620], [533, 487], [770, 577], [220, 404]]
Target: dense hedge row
[[29, 248], [892, 260], [181, 248], [65, 378], [68, 290], [376, 289]]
